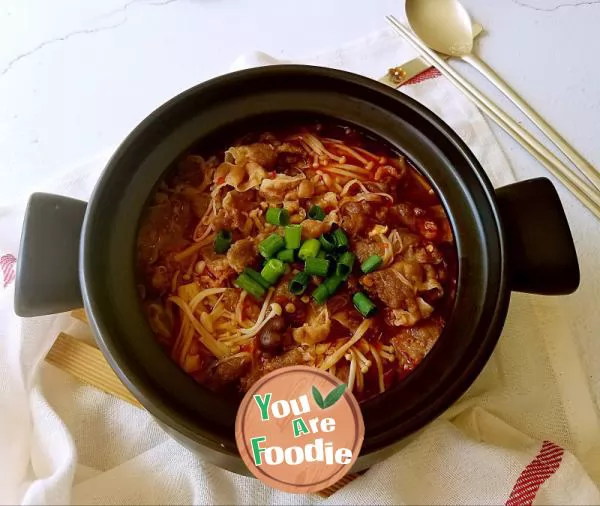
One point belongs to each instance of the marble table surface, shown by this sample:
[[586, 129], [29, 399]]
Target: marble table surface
[[76, 77]]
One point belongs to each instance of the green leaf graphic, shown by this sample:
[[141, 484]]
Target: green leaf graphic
[[318, 397], [334, 395]]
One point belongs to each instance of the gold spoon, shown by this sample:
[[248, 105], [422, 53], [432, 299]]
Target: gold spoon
[[446, 27]]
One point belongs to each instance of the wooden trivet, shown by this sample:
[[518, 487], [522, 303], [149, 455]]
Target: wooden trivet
[[86, 363]]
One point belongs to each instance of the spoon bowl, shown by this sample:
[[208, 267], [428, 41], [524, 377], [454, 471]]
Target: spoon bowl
[[444, 25]]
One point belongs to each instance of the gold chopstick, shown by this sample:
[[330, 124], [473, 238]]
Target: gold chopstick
[[587, 195]]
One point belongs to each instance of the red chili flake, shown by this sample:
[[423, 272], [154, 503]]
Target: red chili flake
[[280, 299], [272, 174], [220, 180]]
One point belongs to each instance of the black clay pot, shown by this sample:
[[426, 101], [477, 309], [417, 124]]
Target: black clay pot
[[514, 238]]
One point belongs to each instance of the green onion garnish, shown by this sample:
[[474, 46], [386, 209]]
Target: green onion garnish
[[309, 249], [363, 304], [316, 213], [277, 216], [320, 294], [271, 245], [273, 270], [371, 263], [344, 264], [293, 236], [340, 239], [255, 275], [316, 266], [322, 254], [298, 283], [286, 255], [332, 263], [222, 241], [246, 283], [333, 283], [327, 242]]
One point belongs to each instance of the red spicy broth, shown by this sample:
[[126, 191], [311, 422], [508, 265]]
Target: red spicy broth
[[227, 321]]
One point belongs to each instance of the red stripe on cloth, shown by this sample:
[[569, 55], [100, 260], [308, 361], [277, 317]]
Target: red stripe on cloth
[[7, 266], [430, 73], [544, 465]]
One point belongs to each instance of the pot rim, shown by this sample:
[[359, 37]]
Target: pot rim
[[147, 394]]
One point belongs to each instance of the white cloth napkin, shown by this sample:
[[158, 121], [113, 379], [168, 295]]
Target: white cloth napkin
[[527, 431]]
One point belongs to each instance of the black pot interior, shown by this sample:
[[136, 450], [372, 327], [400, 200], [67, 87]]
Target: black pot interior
[[219, 110]]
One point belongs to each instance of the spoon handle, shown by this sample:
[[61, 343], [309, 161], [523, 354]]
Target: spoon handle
[[581, 163]]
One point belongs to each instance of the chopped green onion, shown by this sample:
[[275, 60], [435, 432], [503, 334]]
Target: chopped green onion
[[327, 242], [277, 216], [331, 258], [316, 266], [320, 294], [332, 263], [273, 270], [286, 255], [371, 263], [255, 276], [246, 283], [293, 236], [333, 283], [222, 241], [344, 264], [316, 213], [298, 283], [340, 239], [271, 245], [309, 249], [363, 304]]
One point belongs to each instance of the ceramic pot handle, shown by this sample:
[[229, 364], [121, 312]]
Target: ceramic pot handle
[[47, 279], [542, 256]]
